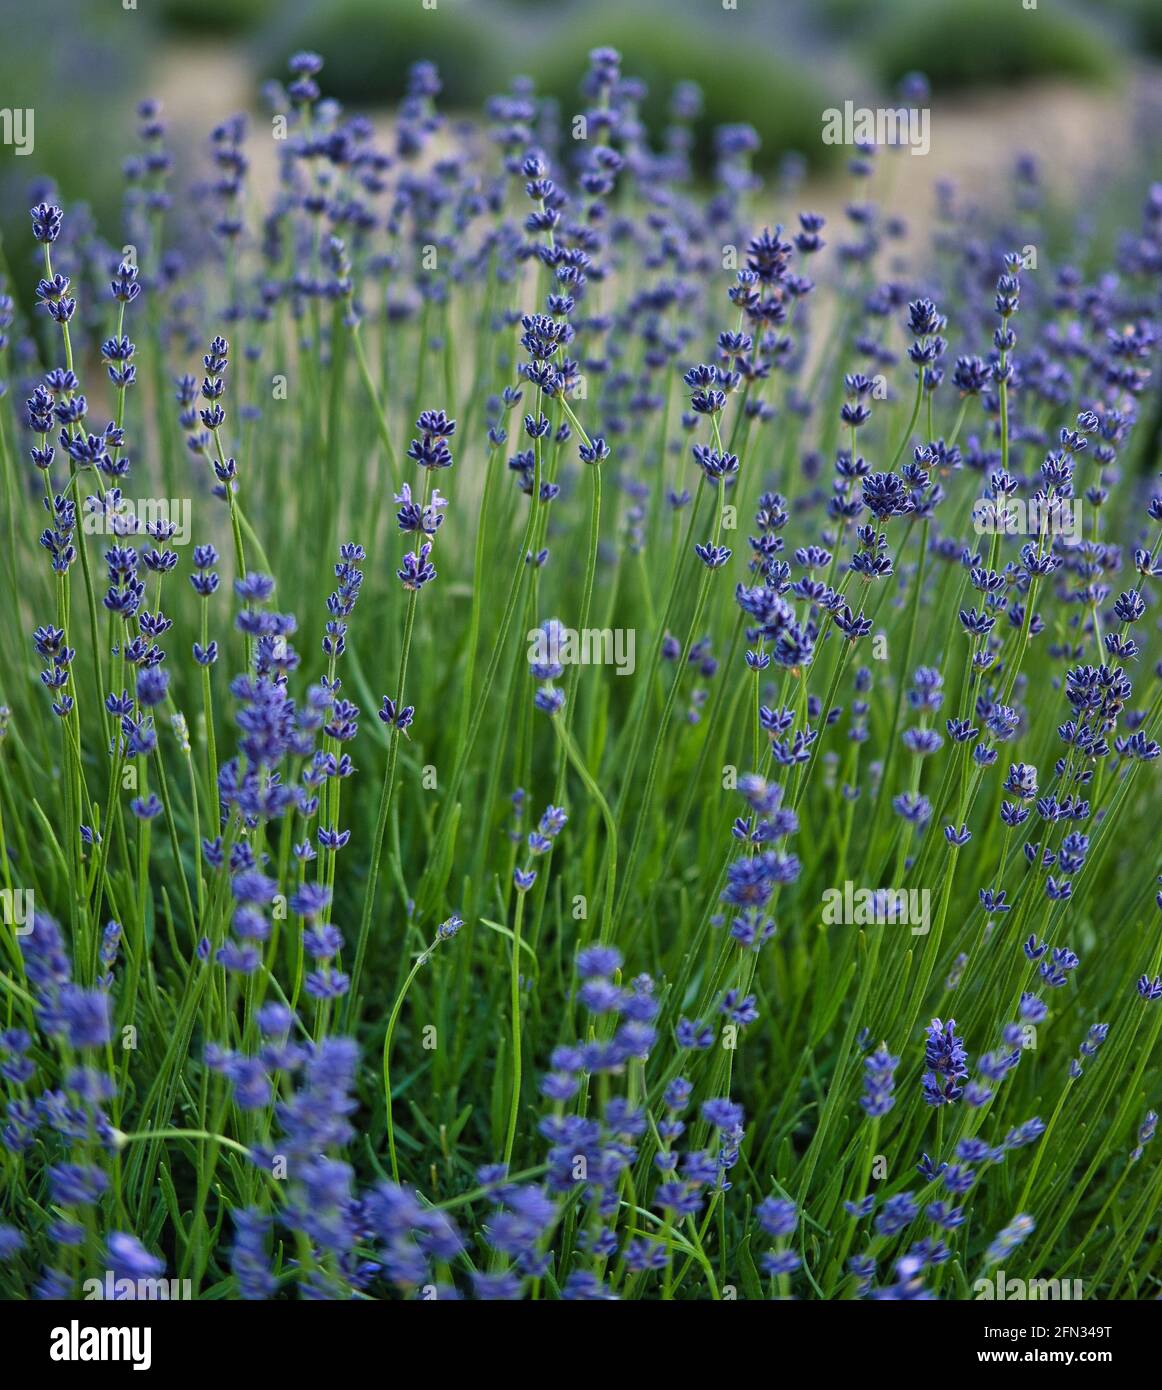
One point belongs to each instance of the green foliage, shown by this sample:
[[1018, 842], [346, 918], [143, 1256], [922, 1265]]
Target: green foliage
[[752, 85], [215, 17], [370, 44], [57, 81], [1142, 20], [961, 43]]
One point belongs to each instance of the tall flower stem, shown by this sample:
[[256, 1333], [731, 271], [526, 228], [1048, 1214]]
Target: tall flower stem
[[394, 737], [514, 1000]]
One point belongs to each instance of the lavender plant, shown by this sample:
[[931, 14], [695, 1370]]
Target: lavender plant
[[300, 1003]]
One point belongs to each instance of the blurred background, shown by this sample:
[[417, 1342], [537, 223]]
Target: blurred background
[[1076, 82]]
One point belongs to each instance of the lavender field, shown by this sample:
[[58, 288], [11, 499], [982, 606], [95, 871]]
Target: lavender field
[[572, 727]]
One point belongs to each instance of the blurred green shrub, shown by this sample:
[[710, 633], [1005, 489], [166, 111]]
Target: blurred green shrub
[[740, 82], [214, 16], [369, 44], [81, 88], [961, 43], [1141, 19]]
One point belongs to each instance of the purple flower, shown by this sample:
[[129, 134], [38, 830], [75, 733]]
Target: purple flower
[[723, 1114], [129, 1259]]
